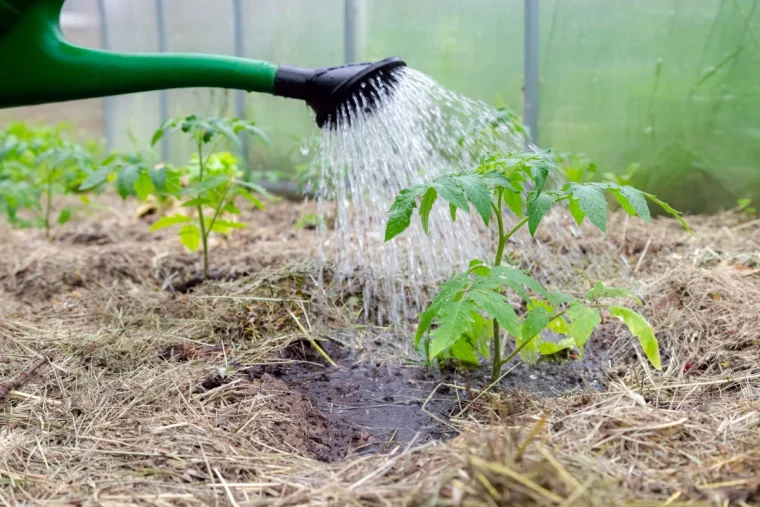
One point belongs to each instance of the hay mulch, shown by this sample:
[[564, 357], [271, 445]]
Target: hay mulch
[[140, 395]]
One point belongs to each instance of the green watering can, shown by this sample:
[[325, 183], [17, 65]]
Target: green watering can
[[38, 65]]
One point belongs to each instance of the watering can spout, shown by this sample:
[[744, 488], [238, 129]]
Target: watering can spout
[[43, 67]]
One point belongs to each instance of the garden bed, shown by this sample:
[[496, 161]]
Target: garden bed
[[162, 389]]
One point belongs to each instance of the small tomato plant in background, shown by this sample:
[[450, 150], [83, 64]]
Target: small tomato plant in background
[[213, 181], [467, 315]]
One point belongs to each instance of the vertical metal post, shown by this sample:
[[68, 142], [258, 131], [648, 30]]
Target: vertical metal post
[[349, 38], [164, 95], [240, 95], [108, 104], [530, 104]]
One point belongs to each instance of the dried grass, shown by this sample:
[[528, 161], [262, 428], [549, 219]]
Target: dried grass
[[112, 421]]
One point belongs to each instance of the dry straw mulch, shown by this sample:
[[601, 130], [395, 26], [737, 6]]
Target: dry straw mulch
[[118, 413]]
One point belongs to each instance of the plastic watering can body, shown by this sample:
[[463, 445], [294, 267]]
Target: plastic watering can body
[[38, 65]]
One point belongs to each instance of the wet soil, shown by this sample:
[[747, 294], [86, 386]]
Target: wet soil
[[399, 405]]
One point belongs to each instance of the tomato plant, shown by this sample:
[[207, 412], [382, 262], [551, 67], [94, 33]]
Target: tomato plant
[[468, 314], [212, 181]]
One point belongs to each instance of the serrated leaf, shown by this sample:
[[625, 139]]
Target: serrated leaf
[[64, 216], [144, 186], [591, 202], [426, 206], [448, 189], [537, 208], [539, 173], [497, 307], [675, 214], [401, 212], [583, 321], [575, 211], [477, 192], [446, 294], [515, 279], [514, 202], [169, 221], [632, 201], [641, 329], [453, 321], [126, 179], [599, 291], [190, 236]]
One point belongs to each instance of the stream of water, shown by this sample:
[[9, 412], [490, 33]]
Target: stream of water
[[422, 131]]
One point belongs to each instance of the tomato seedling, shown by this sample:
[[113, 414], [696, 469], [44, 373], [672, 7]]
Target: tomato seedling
[[467, 315], [213, 181]]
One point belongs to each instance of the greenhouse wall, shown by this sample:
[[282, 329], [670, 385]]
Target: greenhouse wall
[[670, 85]]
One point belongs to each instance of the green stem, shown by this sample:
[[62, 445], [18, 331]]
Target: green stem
[[204, 236], [218, 209], [503, 238], [48, 203]]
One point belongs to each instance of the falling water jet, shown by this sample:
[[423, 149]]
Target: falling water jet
[[397, 133]]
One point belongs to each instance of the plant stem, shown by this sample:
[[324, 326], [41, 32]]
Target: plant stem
[[204, 236], [48, 204], [503, 238], [496, 366]]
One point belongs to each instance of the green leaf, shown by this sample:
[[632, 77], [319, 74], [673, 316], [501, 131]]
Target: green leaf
[[190, 236], [126, 179], [539, 173], [157, 135], [448, 188], [95, 179], [453, 212], [478, 194], [575, 211], [426, 205], [497, 307], [515, 279], [537, 208], [224, 226], [198, 201], [401, 212], [446, 294], [64, 216], [464, 351], [169, 221], [642, 330], [206, 185], [536, 320], [600, 291], [253, 200], [144, 185], [591, 202], [159, 177], [453, 321], [583, 321], [231, 209], [514, 201], [669, 210], [551, 348]]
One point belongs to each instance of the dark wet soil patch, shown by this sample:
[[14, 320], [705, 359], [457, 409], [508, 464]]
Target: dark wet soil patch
[[390, 405]]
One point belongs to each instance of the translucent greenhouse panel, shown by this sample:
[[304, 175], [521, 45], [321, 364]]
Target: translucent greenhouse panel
[[80, 23], [305, 33], [474, 47], [673, 86], [200, 26], [131, 27]]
